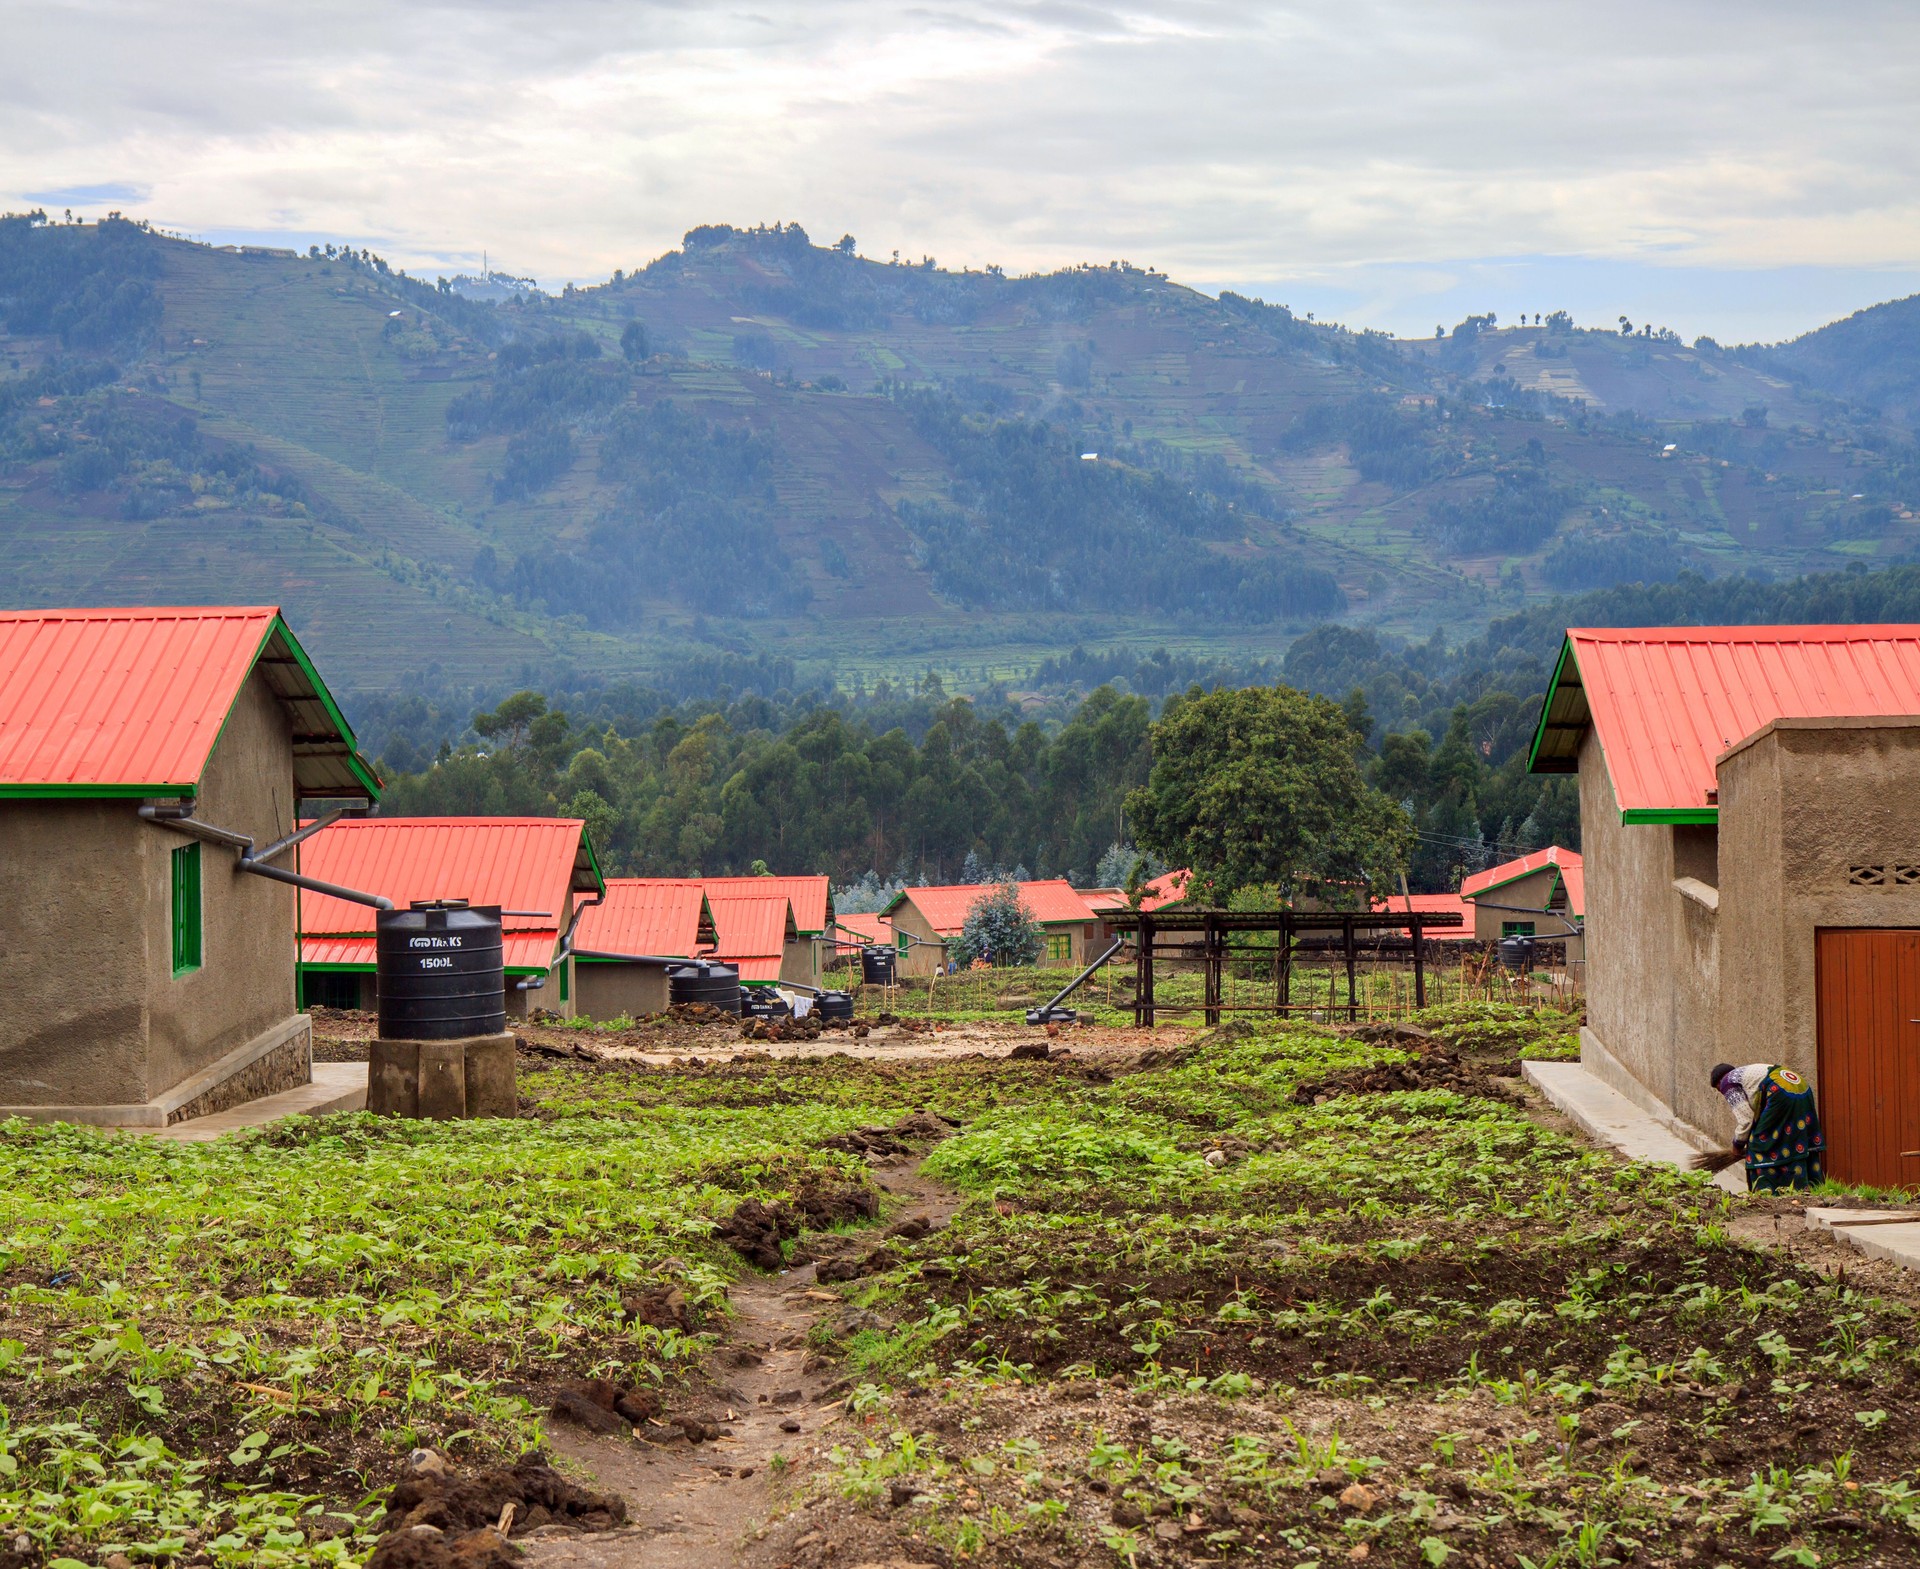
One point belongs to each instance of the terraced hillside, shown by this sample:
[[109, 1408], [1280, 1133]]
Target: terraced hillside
[[758, 443]]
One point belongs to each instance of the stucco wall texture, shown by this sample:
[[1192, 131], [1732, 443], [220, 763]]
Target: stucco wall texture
[[1674, 987], [607, 990], [94, 1014]]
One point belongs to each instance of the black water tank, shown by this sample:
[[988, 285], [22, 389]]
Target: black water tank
[[1516, 953], [763, 1002], [832, 1005], [876, 964], [705, 980], [440, 971]]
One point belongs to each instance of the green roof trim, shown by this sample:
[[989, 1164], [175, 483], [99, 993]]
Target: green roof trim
[[361, 771], [48, 792], [1671, 814], [1546, 708], [340, 969], [593, 860]]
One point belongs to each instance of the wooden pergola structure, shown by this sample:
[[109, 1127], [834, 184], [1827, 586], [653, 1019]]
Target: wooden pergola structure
[[1203, 933]]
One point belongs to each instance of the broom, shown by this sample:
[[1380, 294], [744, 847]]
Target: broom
[[1715, 1160]]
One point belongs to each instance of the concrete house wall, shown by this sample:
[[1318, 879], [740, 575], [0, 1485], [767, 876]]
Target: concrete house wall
[[919, 959], [1701, 939], [613, 989], [95, 1018]]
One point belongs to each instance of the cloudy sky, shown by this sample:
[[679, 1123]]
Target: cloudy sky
[[1744, 168]]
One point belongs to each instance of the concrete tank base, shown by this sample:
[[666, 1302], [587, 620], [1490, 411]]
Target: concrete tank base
[[471, 1077]]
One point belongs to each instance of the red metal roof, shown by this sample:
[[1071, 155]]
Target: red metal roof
[[808, 895], [1051, 901], [1667, 701], [518, 863], [751, 927], [131, 701], [1433, 904], [523, 952], [1168, 889], [872, 928], [1512, 871], [667, 916]]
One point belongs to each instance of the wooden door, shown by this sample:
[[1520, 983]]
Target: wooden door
[[1868, 999]]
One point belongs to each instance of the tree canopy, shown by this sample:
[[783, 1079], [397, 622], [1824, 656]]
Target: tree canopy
[[1264, 785]]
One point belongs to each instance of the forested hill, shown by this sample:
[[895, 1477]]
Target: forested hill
[[757, 448], [918, 785]]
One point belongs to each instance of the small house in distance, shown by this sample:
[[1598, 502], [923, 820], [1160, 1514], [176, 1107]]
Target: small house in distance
[[758, 936], [1751, 838], [538, 870], [805, 952], [621, 941], [1542, 894], [926, 920], [149, 976]]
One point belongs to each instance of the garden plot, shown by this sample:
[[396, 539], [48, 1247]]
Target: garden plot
[[1274, 1296]]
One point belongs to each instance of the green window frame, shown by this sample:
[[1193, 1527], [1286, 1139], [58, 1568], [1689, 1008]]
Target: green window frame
[[1059, 948], [185, 902], [900, 943], [566, 974], [1516, 928]]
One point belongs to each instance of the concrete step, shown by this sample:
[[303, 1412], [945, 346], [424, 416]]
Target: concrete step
[[336, 1086], [1603, 1113], [1878, 1233]]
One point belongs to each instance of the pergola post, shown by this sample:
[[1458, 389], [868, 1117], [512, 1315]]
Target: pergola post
[[1419, 968], [1211, 949], [1143, 991], [1353, 999]]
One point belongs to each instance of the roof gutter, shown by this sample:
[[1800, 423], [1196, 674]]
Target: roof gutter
[[177, 815]]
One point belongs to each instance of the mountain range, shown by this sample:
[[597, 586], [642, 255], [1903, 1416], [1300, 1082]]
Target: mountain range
[[759, 445]]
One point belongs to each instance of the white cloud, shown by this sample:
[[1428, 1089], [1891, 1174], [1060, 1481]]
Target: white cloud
[[1278, 142]]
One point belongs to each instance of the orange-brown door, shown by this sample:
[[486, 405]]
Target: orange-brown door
[[1868, 997]]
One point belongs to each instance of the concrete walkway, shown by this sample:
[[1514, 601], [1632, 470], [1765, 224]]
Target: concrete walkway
[[1604, 1114], [1879, 1233], [336, 1086]]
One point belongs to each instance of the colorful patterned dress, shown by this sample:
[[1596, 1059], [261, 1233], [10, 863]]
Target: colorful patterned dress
[[1777, 1127]]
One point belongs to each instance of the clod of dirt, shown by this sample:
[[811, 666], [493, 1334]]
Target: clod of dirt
[[788, 1029], [423, 1547], [572, 1406], [424, 1462], [911, 1230], [1358, 1496], [447, 1522], [756, 1228], [1127, 1514], [1435, 1068], [925, 1125], [664, 1308], [696, 1431], [1029, 1051], [877, 1142]]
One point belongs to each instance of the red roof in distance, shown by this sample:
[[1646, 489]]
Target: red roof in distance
[[1523, 866], [1432, 904], [1051, 901], [131, 701], [1666, 702], [871, 928], [809, 895], [518, 863], [645, 917], [753, 931]]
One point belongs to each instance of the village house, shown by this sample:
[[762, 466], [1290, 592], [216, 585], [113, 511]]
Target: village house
[[926, 920], [153, 763], [622, 945], [758, 936], [1748, 818], [806, 951], [1540, 895], [539, 871]]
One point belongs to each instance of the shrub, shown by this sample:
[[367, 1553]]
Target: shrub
[[999, 929]]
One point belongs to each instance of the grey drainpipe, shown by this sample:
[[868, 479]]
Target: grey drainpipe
[[177, 816], [1521, 909], [533, 983]]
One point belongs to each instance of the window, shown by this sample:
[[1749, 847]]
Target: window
[[900, 942], [186, 908], [1059, 948], [1516, 928], [566, 973]]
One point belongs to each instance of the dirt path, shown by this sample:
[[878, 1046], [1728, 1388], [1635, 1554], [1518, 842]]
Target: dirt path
[[698, 1506]]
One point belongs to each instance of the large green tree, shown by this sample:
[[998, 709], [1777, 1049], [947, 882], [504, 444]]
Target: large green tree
[[1264, 785]]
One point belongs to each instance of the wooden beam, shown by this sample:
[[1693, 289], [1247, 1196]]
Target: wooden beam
[[1419, 970]]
